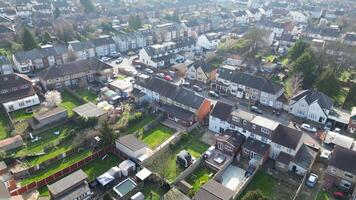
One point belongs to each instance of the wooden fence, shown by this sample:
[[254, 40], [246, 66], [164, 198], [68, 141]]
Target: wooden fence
[[66, 171]]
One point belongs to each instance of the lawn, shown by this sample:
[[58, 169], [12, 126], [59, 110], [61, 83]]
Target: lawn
[[188, 142], [341, 96], [323, 196], [20, 115], [156, 136], [3, 126], [69, 102], [55, 167], [152, 189], [99, 166], [263, 182], [199, 177], [87, 95], [139, 125], [47, 138]]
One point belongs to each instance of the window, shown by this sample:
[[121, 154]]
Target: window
[[244, 122], [220, 146], [227, 147], [232, 126], [264, 130], [21, 103], [254, 126], [3, 91]]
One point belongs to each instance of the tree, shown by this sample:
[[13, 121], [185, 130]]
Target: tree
[[159, 165], [350, 100], [107, 197], [88, 6], [328, 82], [28, 40], [107, 133], [72, 55], [65, 31], [297, 81], [53, 98], [56, 12], [305, 64], [257, 37], [135, 22], [297, 50], [254, 195], [46, 37]]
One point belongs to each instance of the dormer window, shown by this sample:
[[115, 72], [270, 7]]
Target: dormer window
[[264, 130], [3, 91], [254, 126]]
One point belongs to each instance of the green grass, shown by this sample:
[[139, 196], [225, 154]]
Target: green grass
[[47, 137], [20, 115], [270, 58], [156, 136], [3, 126], [199, 177], [55, 167], [263, 182], [323, 196], [197, 148], [139, 125], [340, 97], [345, 76], [120, 77], [152, 189], [87, 95], [43, 191], [99, 166], [69, 102]]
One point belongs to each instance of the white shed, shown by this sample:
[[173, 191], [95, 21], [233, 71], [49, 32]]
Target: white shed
[[126, 167]]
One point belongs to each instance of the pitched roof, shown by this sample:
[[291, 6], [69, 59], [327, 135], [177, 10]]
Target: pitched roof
[[131, 142], [73, 68], [221, 111], [5, 29], [213, 190], [65, 183], [305, 156], [256, 146], [344, 159], [81, 45], [189, 98], [103, 41], [286, 136], [311, 96]]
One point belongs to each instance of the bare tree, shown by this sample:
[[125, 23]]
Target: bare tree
[[297, 82], [72, 55], [53, 98], [159, 165]]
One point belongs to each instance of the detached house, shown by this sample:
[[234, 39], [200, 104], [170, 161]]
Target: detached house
[[312, 105], [341, 170], [75, 74], [181, 105], [17, 92], [208, 41], [201, 71]]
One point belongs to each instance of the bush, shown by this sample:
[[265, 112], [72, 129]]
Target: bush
[[84, 123]]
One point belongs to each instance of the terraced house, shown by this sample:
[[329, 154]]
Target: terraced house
[[75, 74]]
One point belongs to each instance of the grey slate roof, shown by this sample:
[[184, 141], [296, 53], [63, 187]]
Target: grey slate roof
[[286, 136], [67, 182], [305, 156], [213, 190], [189, 98], [221, 111], [82, 45], [102, 41], [311, 96], [256, 146], [344, 159], [131, 142]]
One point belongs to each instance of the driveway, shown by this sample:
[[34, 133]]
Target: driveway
[[125, 65]]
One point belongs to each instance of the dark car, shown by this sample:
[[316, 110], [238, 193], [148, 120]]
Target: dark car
[[197, 88], [256, 109]]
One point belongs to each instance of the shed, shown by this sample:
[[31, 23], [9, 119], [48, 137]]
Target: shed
[[11, 143], [143, 174], [89, 110], [48, 117], [105, 179], [138, 196], [131, 146], [127, 167]]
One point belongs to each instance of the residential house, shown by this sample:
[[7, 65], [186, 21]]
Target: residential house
[[298, 17], [17, 92], [82, 49], [72, 186], [234, 60], [132, 147], [312, 105], [6, 33], [191, 28], [254, 14], [75, 74], [181, 105], [350, 38], [341, 170], [241, 17], [5, 66], [303, 161], [248, 86], [230, 142], [104, 46], [201, 71], [208, 41], [255, 149], [213, 190], [352, 122], [122, 42]]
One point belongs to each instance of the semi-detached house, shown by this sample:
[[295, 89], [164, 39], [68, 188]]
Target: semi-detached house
[[180, 104], [249, 86]]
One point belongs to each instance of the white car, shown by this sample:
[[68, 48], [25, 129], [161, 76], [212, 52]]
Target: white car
[[119, 60], [161, 75], [105, 59], [148, 70], [308, 127], [312, 180]]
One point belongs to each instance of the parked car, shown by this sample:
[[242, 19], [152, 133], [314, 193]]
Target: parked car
[[339, 195], [115, 54], [197, 88], [148, 70], [337, 130], [185, 84], [308, 127], [312, 180], [213, 94], [105, 59], [328, 126], [119, 60], [138, 67], [256, 109], [168, 78], [160, 75]]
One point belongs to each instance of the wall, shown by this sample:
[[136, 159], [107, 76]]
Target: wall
[[189, 170]]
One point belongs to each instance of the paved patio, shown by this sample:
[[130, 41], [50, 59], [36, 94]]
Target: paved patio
[[232, 177]]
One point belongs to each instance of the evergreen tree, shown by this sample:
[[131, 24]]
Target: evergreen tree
[[28, 40], [297, 50], [254, 195], [306, 65], [107, 133], [56, 13], [328, 82], [88, 6]]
